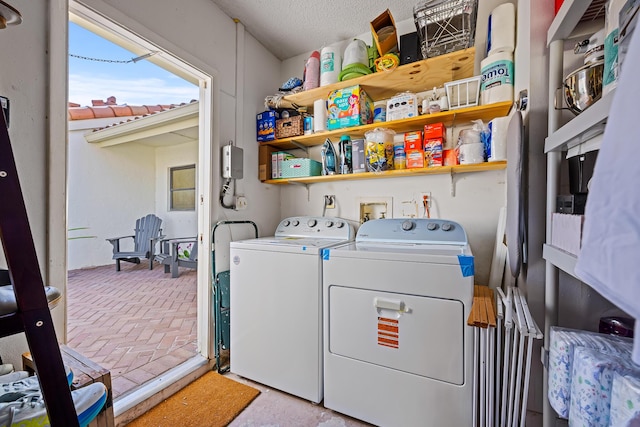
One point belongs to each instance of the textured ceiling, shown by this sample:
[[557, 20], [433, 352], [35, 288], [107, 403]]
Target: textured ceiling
[[288, 28]]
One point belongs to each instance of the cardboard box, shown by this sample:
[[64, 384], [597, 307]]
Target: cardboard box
[[413, 141], [402, 106], [264, 162], [385, 42], [435, 130], [358, 159], [449, 157], [433, 152], [349, 106], [266, 126], [415, 159]]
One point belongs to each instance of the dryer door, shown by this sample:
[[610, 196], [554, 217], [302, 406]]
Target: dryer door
[[414, 334]]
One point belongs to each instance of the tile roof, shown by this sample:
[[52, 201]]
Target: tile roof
[[104, 109]]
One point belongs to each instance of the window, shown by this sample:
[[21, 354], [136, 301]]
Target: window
[[182, 188]]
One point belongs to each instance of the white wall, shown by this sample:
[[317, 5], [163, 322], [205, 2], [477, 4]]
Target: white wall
[[174, 223], [109, 188]]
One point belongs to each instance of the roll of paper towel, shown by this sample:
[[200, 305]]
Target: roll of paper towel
[[319, 115], [471, 153], [330, 65], [497, 147], [497, 78], [501, 30]]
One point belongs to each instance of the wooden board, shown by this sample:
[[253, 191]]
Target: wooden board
[[415, 77], [85, 372]]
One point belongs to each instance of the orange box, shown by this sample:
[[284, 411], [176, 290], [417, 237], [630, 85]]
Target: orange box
[[450, 157], [384, 43], [415, 159], [413, 141], [435, 130]]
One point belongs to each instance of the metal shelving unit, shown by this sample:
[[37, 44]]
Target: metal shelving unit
[[581, 133]]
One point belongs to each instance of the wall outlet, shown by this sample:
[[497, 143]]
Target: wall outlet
[[329, 201], [241, 203], [375, 208]]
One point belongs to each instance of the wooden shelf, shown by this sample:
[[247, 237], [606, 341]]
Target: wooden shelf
[[479, 167], [416, 77], [449, 118]]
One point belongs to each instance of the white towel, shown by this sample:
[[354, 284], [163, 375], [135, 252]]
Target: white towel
[[608, 260]]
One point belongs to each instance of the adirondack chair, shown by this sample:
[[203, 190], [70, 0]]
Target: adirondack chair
[[147, 234], [170, 257]]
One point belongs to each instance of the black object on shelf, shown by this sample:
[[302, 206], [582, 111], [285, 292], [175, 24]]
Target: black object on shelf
[[33, 316], [615, 325], [409, 48]]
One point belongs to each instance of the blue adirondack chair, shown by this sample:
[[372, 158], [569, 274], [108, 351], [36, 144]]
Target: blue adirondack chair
[[147, 234]]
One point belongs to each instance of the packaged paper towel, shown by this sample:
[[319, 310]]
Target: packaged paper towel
[[497, 78], [563, 341]]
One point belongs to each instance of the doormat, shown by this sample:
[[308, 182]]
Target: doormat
[[210, 401]]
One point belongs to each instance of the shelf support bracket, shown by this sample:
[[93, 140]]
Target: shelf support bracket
[[453, 185], [300, 146]]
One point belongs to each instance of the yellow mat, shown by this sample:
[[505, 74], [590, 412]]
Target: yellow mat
[[210, 401]]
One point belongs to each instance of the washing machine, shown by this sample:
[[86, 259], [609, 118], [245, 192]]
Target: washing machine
[[397, 349], [276, 304]]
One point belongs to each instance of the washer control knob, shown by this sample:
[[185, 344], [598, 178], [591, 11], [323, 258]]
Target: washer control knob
[[328, 224], [340, 224], [432, 226], [295, 222], [447, 227], [312, 223], [408, 225], [286, 222]]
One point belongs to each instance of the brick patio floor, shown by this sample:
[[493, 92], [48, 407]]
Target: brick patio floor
[[138, 323]]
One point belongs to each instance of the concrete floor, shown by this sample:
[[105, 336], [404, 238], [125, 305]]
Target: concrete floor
[[273, 408]]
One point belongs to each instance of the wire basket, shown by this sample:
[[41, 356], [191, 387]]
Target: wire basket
[[445, 26], [463, 93]]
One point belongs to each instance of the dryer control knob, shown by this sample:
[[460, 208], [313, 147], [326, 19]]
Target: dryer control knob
[[312, 223], [286, 222], [408, 225], [295, 222], [340, 224], [432, 226], [447, 227], [328, 224]]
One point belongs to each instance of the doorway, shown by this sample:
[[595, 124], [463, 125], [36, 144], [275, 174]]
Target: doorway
[[117, 34]]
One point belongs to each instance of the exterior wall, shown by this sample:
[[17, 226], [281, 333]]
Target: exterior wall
[[109, 188], [174, 223]]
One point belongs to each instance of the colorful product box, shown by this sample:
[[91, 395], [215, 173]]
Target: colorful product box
[[350, 106], [435, 130], [450, 157], [433, 152], [266, 126], [402, 106], [413, 148], [358, 158]]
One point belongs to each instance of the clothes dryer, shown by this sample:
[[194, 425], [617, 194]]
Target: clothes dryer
[[276, 304], [397, 350]]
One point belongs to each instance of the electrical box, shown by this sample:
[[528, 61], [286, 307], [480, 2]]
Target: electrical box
[[231, 162]]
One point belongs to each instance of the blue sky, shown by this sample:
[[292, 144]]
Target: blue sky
[[139, 83]]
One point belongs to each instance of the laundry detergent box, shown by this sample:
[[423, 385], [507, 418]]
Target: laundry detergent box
[[413, 148], [433, 152], [349, 106], [266, 126]]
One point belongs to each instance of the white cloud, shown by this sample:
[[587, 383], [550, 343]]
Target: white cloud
[[134, 91]]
